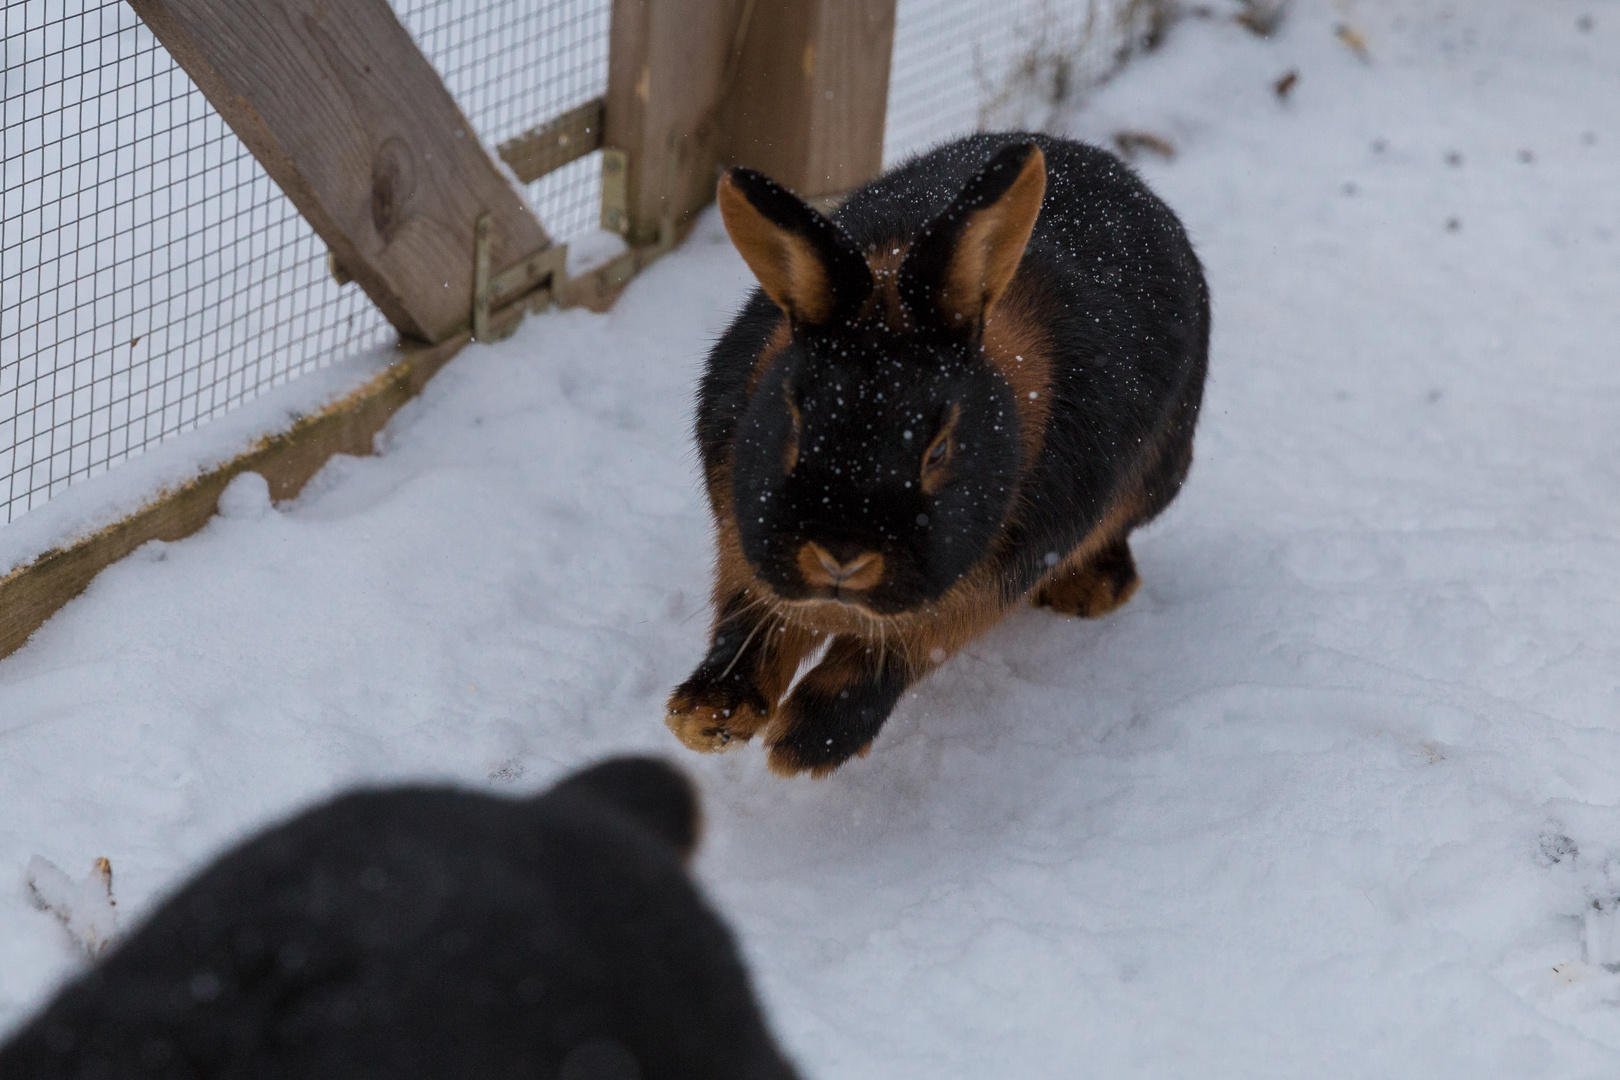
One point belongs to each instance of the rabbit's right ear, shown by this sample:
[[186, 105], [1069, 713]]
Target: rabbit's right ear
[[965, 258], [805, 263]]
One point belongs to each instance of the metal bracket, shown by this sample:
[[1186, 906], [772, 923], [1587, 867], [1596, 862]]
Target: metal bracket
[[547, 266], [335, 268], [616, 191]]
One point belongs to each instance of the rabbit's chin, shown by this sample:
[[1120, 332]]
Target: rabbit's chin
[[848, 615], [826, 609], [837, 608]]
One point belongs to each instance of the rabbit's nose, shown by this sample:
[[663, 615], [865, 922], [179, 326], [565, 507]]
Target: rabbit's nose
[[821, 567]]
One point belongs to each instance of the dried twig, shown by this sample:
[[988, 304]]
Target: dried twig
[[1351, 38], [86, 908], [1133, 143], [1261, 17]]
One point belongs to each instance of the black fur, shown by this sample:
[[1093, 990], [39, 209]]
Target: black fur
[[869, 406], [1122, 297], [849, 716], [850, 279], [1114, 292], [925, 265], [433, 933]]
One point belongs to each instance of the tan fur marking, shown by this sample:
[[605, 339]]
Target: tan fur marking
[[707, 726], [1082, 587], [822, 570], [1087, 594], [884, 262], [780, 338], [991, 244], [1016, 347], [790, 453], [785, 264], [925, 637]]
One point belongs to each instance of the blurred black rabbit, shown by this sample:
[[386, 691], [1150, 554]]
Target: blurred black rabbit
[[434, 933], [966, 387]]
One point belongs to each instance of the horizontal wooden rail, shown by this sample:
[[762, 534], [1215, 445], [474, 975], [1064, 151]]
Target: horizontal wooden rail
[[547, 148]]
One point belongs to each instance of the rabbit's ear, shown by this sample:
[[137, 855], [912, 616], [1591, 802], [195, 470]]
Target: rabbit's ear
[[808, 265], [963, 260]]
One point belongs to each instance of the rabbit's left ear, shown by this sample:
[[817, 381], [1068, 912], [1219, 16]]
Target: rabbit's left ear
[[964, 259], [808, 265]]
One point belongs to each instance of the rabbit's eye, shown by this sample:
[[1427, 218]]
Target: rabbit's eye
[[937, 458]]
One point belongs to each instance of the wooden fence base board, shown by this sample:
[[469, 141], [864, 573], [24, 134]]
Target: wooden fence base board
[[597, 289], [32, 593]]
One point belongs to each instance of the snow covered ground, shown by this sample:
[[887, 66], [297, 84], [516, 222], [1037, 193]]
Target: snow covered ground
[[1338, 794]]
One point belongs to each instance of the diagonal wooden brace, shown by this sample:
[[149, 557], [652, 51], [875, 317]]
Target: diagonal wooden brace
[[354, 124]]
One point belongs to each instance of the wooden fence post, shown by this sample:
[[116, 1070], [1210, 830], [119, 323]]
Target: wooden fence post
[[808, 104], [795, 88], [349, 118], [666, 74]]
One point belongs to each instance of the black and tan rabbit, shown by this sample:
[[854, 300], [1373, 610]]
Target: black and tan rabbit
[[966, 387], [428, 932]]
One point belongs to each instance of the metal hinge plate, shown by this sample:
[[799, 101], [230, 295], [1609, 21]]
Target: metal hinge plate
[[548, 266], [616, 191]]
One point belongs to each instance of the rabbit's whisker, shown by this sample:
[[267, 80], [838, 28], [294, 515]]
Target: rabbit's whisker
[[742, 649]]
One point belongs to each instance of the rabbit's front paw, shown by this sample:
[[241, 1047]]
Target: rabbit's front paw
[[808, 751], [1093, 588], [836, 710], [708, 716]]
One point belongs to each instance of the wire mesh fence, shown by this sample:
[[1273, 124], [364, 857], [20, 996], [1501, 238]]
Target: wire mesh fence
[[512, 64], [967, 66], [152, 276]]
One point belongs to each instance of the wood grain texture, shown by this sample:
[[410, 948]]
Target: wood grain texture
[[666, 75], [348, 117], [795, 88], [811, 92], [549, 147]]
